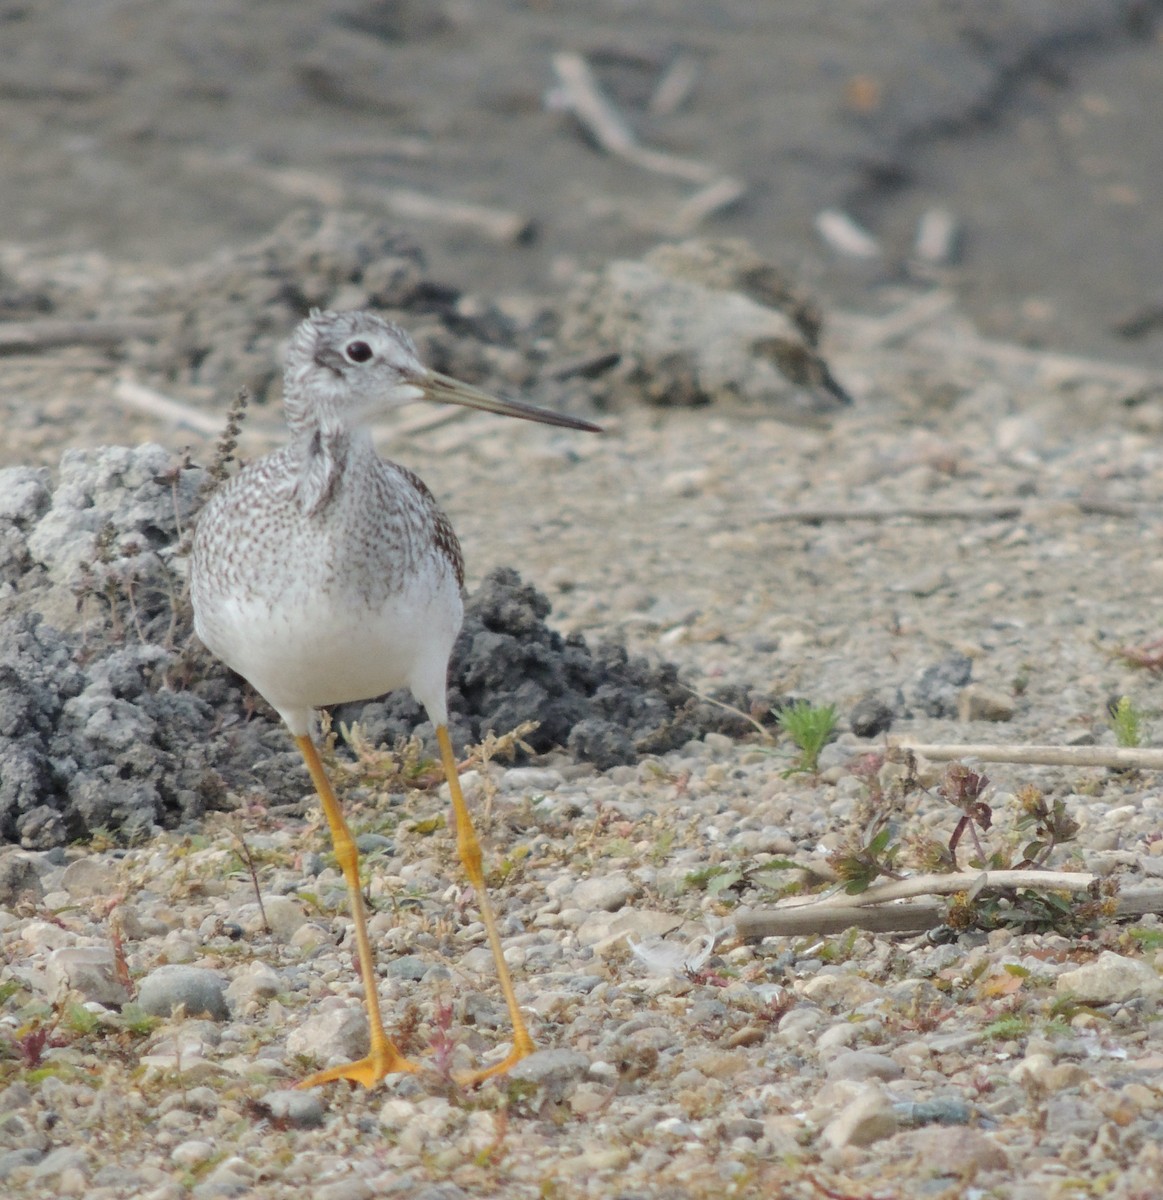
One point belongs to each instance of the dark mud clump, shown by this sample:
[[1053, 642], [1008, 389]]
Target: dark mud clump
[[509, 666], [113, 718]]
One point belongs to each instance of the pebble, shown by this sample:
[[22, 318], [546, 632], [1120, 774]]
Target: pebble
[[1112, 979], [606, 893], [300, 1110], [340, 1035], [90, 971], [198, 990], [864, 1064], [867, 1118], [979, 703]]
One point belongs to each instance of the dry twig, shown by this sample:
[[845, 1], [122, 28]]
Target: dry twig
[[22, 337], [1119, 758]]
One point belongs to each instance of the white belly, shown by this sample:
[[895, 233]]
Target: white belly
[[305, 649]]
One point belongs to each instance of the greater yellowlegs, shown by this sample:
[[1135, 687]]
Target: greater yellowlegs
[[322, 574]]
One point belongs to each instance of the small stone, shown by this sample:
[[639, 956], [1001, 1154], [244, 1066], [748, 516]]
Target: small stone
[[606, 893], [957, 1152], [864, 1064], [91, 971], [63, 1158], [979, 703], [191, 1154], [1112, 979], [937, 688], [87, 877], [300, 1110], [870, 717], [1032, 1069], [256, 981], [947, 1110], [866, 1119], [281, 915], [196, 989], [13, 1160], [338, 1036], [352, 1187], [407, 966], [553, 1075], [19, 878]]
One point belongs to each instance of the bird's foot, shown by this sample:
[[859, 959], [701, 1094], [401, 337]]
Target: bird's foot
[[522, 1048], [367, 1071]]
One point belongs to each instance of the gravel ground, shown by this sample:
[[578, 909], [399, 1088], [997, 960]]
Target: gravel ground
[[153, 1019]]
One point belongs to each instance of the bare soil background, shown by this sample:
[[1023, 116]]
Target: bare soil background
[[969, 546]]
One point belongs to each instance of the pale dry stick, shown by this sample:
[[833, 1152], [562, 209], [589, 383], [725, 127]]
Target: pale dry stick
[[581, 94], [973, 882], [494, 224], [878, 333], [707, 201], [1002, 511], [675, 85], [414, 149], [1119, 758], [20, 337], [954, 512], [131, 394], [753, 925], [1051, 368]]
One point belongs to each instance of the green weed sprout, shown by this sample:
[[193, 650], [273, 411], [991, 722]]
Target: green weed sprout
[[810, 727]]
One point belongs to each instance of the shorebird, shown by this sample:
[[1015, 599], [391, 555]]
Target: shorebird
[[323, 573]]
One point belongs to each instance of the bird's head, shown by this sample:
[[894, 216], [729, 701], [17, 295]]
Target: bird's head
[[341, 366]]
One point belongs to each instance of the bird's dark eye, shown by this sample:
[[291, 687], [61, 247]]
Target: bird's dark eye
[[358, 352]]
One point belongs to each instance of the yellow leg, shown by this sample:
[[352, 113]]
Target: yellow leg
[[384, 1058], [470, 854]]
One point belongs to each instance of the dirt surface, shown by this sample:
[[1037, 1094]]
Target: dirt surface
[[162, 131], [964, 554]]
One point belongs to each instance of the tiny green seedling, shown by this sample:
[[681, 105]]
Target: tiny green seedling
[[810, 726], [1127, 720]]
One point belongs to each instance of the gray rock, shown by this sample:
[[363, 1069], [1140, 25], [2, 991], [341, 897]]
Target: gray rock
[[340, 1035], [19, 878], [256, 981], [937, 688], [550, 1076], [948, 1110], [15, 1159], [979, 703], [197, 989], [301, 1110], [63, 1158], [25, 494], [89, 970], [605, 893], [864, 1064], [960, 1153], [870, 717], [1112, 979], [89, 876], [407, 966], [867, 1118]]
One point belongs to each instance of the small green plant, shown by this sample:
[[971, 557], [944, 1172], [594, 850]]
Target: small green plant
[[79, 1020], [810, 726], [1052, 826], [1009, 1028], [1126, 720], [866, 857]]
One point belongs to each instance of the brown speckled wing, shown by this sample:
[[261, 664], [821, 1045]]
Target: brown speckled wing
[[445, 536]]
